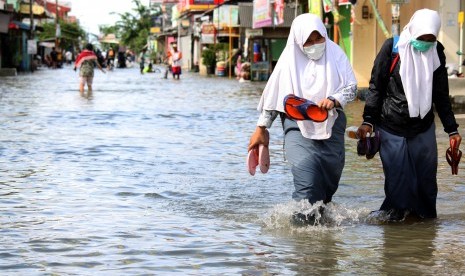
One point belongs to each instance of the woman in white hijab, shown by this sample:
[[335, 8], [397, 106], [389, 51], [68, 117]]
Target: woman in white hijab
[[315, 68], [400, 106]]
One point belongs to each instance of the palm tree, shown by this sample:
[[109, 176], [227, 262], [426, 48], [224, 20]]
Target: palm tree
[[133, 29]]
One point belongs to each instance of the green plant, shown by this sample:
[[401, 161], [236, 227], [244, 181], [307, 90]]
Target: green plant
[[209, 57]]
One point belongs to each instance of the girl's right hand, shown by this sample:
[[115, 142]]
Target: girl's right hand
[[260, 136]]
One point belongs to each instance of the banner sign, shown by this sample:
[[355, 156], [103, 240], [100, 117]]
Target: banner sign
[[327, 5], [261, 14], [279, 12], [314, 6], [208, 33], [226, 15]]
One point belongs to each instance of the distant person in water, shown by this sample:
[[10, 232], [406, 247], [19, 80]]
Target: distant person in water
[[174, 57], [86, 61]]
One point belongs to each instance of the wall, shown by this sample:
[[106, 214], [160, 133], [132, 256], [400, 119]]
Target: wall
[[364, 32], [368, 36], [450, 31], [185, 48]]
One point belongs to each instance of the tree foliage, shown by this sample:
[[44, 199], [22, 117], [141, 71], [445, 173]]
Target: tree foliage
[[133, 28], [70, 33]]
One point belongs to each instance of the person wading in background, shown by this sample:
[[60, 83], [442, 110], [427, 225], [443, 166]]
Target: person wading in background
[[86, 61]]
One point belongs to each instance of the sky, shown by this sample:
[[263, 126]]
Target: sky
[[92, 13]]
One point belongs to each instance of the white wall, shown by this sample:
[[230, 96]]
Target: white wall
[[450, 31], [185, 48]]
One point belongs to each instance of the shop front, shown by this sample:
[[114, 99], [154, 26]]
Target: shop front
[[263, 45]]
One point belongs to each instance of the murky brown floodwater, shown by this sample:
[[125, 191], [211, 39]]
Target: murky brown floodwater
[[148, 177]]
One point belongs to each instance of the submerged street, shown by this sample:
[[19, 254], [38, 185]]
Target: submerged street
[[148, 177]]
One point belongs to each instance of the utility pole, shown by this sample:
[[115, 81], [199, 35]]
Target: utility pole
[[460, 52], [31, 34], [395, 10], [56, 25]]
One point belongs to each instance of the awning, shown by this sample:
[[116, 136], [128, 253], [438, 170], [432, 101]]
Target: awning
[[16, 25], [47, 44], [110, 39]]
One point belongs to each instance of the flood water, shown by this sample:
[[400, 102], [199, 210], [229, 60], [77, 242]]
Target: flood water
[[148, 177]]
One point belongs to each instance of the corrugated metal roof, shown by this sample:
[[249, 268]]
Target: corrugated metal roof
[[245, 15], [246, 12]]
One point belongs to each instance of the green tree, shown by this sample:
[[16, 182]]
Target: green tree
[[133, 29], [70, 33]]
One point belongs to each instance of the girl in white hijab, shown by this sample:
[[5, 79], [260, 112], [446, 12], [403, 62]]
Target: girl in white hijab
[[315, 68], [400, 106]]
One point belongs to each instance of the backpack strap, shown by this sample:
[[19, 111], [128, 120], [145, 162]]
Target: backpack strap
[[394, 63], [395, 49], [394, 53]]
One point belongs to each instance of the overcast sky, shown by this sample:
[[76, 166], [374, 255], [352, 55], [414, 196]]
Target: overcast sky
[[92, 13]]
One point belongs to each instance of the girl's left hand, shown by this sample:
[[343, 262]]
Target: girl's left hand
[[327, 104], [457, 138]]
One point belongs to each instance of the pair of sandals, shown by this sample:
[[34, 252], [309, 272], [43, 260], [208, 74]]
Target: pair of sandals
[[258, 157], [369, 146], [298, 108], [453, 156]]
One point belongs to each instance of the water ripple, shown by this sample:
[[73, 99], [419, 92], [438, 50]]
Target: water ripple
[[148, 176]]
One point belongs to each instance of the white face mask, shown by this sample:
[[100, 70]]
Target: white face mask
[[315, 51]]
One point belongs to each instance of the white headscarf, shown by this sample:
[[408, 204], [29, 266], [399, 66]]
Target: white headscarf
[[315, 80], [416, 68]]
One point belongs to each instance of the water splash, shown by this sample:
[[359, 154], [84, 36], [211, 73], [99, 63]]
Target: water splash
[[327, 216]]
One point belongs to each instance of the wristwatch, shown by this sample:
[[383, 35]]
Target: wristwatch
[[331, 98]]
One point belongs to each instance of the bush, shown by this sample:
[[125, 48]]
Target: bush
[[209, 57]]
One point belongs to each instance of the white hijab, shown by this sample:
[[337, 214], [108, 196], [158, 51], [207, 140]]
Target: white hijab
[[315, 80], [416, 68]]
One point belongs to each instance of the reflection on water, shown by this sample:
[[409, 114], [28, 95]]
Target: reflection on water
[[148, 176]]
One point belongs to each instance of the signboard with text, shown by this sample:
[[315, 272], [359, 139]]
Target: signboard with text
[[226, 15], [208, 33], [32, 47], [261, 14]]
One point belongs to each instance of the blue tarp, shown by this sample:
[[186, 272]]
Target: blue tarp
[[21, 25]]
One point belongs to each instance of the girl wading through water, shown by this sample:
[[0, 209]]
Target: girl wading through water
[[400, 105], [314, 68]]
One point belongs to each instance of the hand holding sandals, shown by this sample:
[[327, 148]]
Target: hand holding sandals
[[454, 154], [260, 136]]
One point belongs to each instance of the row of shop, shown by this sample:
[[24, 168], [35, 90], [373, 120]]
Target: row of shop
[[359, 29], [228, 29], [19, 48]]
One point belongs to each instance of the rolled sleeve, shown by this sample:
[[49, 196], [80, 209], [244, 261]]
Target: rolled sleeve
[[346, 94], [266, 118]]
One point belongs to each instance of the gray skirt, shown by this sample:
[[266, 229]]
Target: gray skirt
[[410, 169], [316, 164]]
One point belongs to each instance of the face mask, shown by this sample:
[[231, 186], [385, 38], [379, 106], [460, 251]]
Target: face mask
[[315, 51], [420, 45]]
